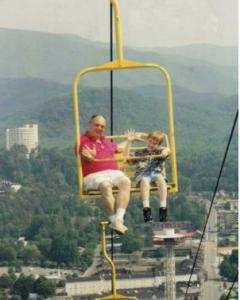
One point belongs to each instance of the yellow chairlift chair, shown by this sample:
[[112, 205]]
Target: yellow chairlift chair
[[122, 64]]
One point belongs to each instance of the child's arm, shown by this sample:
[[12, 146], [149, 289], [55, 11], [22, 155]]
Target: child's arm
[[166, 150], [166, 141]]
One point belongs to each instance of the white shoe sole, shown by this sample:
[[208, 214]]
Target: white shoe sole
[[119, 229]]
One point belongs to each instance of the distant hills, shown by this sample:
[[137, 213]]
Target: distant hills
[[217, 55], [37, 69], [202, 121], [23, 95], [54, 57]]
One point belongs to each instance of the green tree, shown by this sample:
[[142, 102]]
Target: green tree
[[86, 258], [6, 281], [229, 266], [3, 294], [131, 243], [64, 250], [15, 297], [30, 254], [7, 253], [44, 287], [35, 226], [223, 297], [23, 286]]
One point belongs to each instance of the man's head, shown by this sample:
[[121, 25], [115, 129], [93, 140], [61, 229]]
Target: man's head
[[154, 140], [97, 126]]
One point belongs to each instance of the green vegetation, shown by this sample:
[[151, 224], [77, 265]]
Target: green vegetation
[[60, 229], [21, 287], [229, 266], [202, 121]]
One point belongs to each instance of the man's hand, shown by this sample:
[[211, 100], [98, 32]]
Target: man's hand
[[88, 153], [132, 135]]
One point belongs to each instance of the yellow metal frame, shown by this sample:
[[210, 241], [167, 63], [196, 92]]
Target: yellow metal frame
[[114, 294], [121, 64]]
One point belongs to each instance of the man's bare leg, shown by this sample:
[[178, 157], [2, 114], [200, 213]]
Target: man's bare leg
[[123, 196], [121, 205], [105, 189], [124, 186]]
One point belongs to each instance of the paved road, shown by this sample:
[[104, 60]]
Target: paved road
[[212, 288], [96, 258]]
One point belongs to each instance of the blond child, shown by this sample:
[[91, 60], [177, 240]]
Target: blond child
[[149, 170]]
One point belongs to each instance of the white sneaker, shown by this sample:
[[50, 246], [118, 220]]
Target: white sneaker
[[118, 226]]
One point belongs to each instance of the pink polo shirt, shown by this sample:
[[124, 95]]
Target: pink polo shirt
[[104, 149]]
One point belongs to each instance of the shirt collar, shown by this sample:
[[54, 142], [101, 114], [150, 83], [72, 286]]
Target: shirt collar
[[101, 139]]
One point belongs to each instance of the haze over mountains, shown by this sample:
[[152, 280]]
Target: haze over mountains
[[60, 57], [37, 69]]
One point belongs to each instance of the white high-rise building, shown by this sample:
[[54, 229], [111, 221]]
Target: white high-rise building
[[26, 135]]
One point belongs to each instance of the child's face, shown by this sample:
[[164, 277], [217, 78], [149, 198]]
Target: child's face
[[152, 144]]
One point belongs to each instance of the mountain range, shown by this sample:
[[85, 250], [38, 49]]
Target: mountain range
[[58, 58], [37, 69]]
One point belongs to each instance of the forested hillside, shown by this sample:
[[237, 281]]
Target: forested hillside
[[49, 214], [202, 121]]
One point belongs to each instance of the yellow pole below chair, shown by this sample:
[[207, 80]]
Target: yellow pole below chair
[[114, 294]]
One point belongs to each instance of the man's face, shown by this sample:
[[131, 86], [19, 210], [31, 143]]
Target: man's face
[[97, 127]]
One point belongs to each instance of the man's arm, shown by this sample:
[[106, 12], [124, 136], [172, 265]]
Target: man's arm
[[88, 154], [131, 136]]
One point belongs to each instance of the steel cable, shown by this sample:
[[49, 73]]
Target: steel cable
[[212, 200]]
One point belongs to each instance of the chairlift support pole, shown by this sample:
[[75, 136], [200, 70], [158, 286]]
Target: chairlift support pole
[[114, 295]]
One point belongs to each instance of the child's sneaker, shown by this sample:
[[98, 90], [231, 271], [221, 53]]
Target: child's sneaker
[[118, 227], [163, 214], [147, 214]]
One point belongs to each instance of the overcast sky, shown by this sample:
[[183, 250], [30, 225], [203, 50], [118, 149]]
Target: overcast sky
[[145, 23]]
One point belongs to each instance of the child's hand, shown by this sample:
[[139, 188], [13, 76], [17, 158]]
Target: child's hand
[[165, 153]]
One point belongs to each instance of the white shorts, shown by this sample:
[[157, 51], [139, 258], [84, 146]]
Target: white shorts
[[92, 181], [152, 177]]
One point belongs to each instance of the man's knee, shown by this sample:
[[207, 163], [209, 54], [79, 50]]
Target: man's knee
[[105, 187], [125, 183]]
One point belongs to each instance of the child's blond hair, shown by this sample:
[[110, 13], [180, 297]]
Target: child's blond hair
[[156, 136]]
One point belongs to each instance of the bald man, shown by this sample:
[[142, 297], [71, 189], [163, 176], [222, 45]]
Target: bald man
[[104, 175]]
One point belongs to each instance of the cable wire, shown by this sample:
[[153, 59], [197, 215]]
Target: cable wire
[[229, 292], [111, 72], [212, 200]]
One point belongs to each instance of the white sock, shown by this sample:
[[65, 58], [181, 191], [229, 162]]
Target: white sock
[[146, 203], [112, 218], [163, 203], [120, 213]]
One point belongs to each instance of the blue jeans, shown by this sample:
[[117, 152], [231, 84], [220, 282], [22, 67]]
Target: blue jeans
[[151, 177]]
